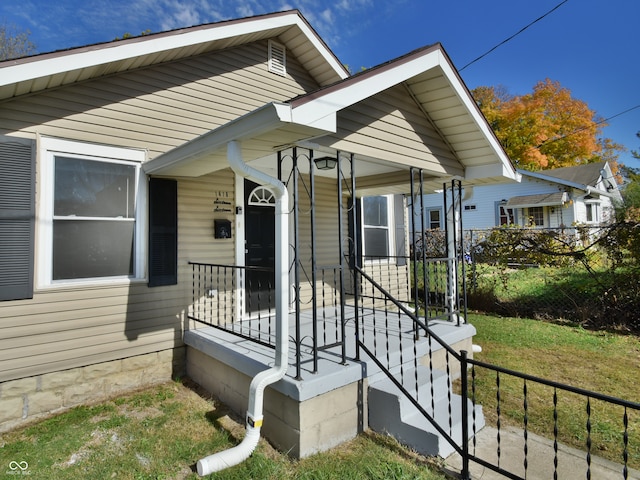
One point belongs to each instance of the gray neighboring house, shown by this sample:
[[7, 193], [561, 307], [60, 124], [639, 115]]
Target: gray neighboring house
[[561, 197]]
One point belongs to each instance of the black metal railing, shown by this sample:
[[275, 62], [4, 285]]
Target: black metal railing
[[385, 328], [239, 301], [567, 415], [423, 284], [399, 342], [235, 299]]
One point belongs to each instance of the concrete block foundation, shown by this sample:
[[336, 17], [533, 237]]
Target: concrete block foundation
[[28, 399]]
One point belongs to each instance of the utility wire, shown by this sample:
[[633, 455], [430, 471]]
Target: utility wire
[[514, 35], [599, 122]]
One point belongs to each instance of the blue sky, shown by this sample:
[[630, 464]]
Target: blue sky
[[591, 47]]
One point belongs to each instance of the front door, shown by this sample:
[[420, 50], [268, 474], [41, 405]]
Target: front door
[[259, 247]]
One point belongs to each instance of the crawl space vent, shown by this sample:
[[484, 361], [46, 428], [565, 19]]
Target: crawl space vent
[[277, 58]]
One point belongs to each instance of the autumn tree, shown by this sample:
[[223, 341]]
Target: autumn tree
[[546, 128], [14, 43]]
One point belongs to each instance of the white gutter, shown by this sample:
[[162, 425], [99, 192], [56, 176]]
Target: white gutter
[[239, 453]]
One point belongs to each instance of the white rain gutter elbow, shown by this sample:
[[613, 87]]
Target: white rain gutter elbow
[[241, 452]]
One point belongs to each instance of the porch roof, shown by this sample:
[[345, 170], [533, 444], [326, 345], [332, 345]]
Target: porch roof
[[459, 142], [539, 200]]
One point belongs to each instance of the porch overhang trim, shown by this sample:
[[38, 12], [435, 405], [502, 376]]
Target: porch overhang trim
[[267, 118], [540, 200], [497, 171], [357, 88]]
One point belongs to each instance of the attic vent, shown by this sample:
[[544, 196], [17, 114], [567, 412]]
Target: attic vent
[[277, 58]]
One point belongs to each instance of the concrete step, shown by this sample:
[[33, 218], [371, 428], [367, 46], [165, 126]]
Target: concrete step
[[392, 413], [417, 381]]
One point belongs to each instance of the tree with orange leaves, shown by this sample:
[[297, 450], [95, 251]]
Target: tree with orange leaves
[[546, 128]]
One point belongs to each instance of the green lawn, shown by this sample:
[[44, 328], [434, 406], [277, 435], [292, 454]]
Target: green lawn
[[161, 432], [600, 361]]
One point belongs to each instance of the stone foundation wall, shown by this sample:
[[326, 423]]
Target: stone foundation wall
[[28, 399]]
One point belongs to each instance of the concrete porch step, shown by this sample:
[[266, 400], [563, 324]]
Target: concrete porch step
[[392, 413]]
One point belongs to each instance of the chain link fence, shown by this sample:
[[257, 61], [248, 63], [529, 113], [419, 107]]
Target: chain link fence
[[584, 275]]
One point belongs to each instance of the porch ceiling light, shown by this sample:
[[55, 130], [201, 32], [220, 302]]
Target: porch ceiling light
[[325, 163]]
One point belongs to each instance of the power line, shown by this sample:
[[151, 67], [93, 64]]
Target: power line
[[599, 122], [514, 35]]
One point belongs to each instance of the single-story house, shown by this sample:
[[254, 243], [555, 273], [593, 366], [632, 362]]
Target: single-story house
[[162, 196], [561, 197]]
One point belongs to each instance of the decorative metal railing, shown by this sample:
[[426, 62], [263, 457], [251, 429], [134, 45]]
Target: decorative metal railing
[[399, 342], [219, 300], [225, 297], [523, 396], [608, 423]]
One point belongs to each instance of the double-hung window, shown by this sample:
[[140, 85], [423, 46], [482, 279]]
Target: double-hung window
[[536, 216], [377, 223], [92, 204], [434, 219]]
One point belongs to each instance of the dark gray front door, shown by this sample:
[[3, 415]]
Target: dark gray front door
[[259, 252]]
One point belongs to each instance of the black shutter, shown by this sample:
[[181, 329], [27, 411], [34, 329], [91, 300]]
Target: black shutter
[[17, 217], [163, 232], [400, 230]]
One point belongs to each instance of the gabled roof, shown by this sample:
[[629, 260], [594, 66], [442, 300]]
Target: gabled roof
[[39, 72], [585, 177], [428, 78], [587, 174]]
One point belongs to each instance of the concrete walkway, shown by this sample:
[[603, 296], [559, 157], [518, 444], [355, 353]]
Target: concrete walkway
[[572, 463]]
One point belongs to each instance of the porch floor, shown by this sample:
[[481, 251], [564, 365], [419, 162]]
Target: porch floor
[[250, 357]]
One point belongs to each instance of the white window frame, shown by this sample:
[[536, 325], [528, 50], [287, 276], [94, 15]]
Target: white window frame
[[531, 215], [595, 212], [49, 148], [389, 228], [429, 222]]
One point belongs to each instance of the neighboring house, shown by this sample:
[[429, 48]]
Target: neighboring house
[[115, 175], [561, 197]]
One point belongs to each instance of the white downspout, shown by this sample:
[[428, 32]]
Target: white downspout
[[241, 452]]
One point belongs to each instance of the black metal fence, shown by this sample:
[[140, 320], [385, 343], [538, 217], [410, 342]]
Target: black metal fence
[[595, 422], [531, 404], [578, 274]]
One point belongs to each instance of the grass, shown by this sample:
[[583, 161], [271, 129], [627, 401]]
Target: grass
[[599, 361], [161, 432]]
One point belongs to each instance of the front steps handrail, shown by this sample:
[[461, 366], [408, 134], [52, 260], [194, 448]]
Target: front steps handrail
[[418, 326]]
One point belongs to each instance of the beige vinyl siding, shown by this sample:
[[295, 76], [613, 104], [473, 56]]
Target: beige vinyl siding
[[64, 329], [390, 126], [327, 244], [196, 242], [156, 109], [159, 107]]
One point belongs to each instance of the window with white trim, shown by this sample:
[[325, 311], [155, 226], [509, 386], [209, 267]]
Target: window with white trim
[[377, 223], [92, 207], [434, 219], [592, 212], [536, 216]]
